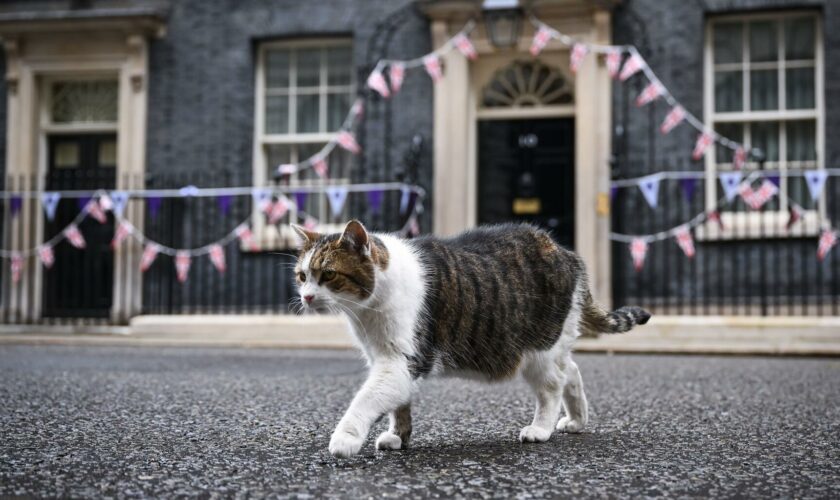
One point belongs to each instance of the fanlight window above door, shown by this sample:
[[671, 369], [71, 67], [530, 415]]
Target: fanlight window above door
[[75, 102], [525, 84]]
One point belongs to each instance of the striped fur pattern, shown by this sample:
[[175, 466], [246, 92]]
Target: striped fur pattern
[[490, 303]]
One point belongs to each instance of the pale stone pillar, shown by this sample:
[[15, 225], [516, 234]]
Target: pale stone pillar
[[592, 151], [451, 193]]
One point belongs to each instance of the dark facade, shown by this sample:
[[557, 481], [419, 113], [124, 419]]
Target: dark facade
[[201, 119], [739, 274]]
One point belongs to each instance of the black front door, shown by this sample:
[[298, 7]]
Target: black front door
[[80, 283], [526, 173]]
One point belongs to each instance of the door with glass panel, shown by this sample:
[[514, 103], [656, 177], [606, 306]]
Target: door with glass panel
[[79, 120], [81, 281]]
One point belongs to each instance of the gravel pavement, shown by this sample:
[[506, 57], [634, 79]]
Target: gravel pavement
[[134, 422]]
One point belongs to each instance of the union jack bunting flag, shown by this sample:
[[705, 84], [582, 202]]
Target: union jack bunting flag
[[685, 241], [465, 46], [828, 239], [47, 256], [396, 73], [638, 250], [650, 93], [672, 119], [348, 142], [579, 51], [182, 265], [541, 39], [432, 64], [613, 62], [217, 257], [631, 67], [704, 140], [150, 253], [377, 82], [16, 266], [74, 236]]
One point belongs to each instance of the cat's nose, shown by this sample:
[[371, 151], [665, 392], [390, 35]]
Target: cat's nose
[[308, 298]]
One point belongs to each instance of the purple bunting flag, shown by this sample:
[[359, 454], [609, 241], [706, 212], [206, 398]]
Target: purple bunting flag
[[374, 198]]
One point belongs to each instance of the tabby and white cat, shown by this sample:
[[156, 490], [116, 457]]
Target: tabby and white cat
[[490, 303]]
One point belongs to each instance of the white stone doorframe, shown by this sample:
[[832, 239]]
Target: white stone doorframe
[[455, 134], [40, 51]]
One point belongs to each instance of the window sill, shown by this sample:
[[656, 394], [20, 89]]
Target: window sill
[[758, 225], [281, 237]]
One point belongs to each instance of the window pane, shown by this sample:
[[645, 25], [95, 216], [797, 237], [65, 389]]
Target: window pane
[[764, 90], [277, 68], [728, 91], [337, 107], [339, 66], [801, 140], [800, 88], [107, 153], [277, 114], [308, 67], [798, 190], [765, 136], [308, 113], [763, 44], [84, 101], [728, 46], [275, 155], [66, 155], [799, 39], [734, 131]]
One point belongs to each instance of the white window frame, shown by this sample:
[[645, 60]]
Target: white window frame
[[764, 223], [267, 236]]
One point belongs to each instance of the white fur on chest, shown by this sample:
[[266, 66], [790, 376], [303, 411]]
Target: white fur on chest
[[384, 325]]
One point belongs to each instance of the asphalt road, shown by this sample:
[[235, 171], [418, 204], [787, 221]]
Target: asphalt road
[[91, 422]]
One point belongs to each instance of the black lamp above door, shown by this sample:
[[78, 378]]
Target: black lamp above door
[[503, 21]]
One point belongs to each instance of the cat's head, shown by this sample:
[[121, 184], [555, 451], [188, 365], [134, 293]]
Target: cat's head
[[337, 271]]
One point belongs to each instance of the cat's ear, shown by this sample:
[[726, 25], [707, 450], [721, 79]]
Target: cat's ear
[[356, 234], [305, 237]]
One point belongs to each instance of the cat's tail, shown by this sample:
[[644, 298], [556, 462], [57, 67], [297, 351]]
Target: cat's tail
[[594, 319]]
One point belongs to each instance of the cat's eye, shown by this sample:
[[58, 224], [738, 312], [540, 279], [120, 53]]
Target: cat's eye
[[302, 276], [328, 274]]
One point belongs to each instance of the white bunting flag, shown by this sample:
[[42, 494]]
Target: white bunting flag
[[124, 228], [672, 119], [337, 196], [262, 198], [432, 64], [638, 250], [730, 181], [815, 180], [579, 51], [756, 199], [405, 197], [188, 191], [348, 142], [413, 227], [613, 61], [650, 93], [319, 165], [541, 39], [377, 82], [631, 66], [74, 236], [685, 240], [310, 224], [50, 201], [16, 266], [287, 169], [828, 239], [739, 158], [396, 73], [182, 265], [47, 256], [94, 210], [650, 189], [704, 140], [278, 210], [358, 108], [246, 236], [106, 203], [150, 253], [119, 200], [794, 215], [217, 257], [465, 46]]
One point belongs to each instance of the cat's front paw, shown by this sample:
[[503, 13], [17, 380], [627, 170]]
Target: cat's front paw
[[567, 424], [388, 441], [344, 445], [534, 434]]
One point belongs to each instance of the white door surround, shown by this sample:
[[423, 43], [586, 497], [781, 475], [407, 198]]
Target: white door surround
[[457, 110], [39, 50]]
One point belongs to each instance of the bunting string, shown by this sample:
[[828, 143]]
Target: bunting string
[[124, 228]]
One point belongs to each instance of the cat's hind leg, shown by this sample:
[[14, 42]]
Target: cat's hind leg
[[574, 399], [399, 430], [546, 379]]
